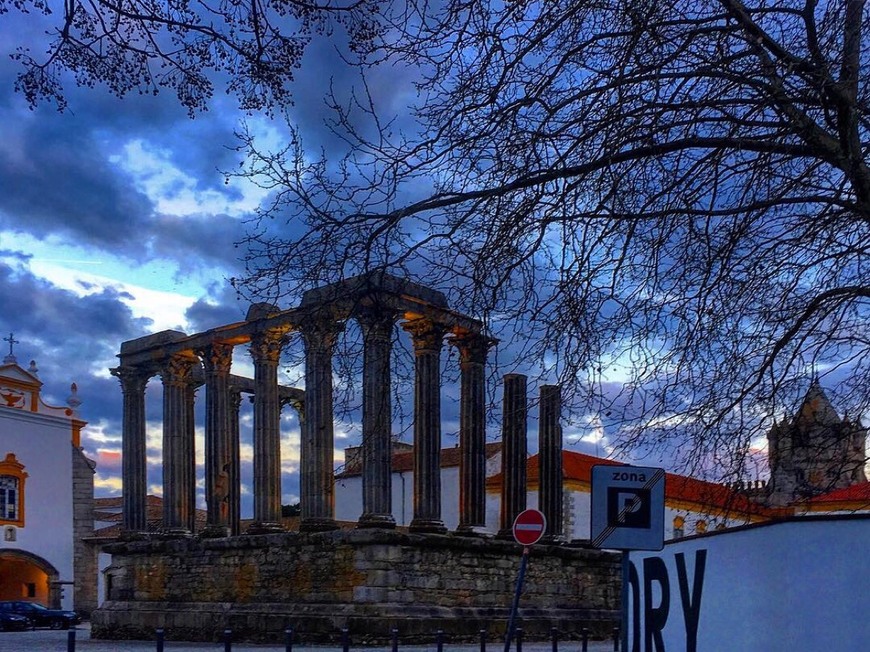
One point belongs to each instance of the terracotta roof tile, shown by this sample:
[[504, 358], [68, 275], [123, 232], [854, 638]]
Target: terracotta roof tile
[[404, 461], [578, 467], [857, 492]]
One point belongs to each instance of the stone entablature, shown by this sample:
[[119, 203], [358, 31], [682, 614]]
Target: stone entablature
[[369, 580]]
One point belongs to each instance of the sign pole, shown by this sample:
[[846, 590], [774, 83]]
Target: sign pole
[[516, 604], [625, 583]]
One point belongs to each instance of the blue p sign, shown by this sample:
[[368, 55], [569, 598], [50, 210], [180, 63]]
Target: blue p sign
[[628, 507]]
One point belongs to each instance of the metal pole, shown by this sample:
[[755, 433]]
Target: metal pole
[[288, 639], [228, 640], [625, 582], [71, 641], [519, 639], [516, 604], [345, 639], [439, 640], [585, 633], [159, 634], [554, 638], [394, 636], [616, 639], [482, 640]]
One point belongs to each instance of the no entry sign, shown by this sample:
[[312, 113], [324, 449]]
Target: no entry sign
[[529, 527]]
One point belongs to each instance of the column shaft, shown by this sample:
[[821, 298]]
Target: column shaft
[[317, 492], [427, 426], [472, 433], [133, 455], [377, 330], [175, 374], [234, 480], [266, 351], [550, 456], [190, 452], [514, 451], [216, 361]]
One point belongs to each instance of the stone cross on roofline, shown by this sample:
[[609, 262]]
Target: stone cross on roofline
[[9, 359]]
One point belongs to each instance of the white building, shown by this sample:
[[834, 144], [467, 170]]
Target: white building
[[46, 495], [348, 483], [692, 506]]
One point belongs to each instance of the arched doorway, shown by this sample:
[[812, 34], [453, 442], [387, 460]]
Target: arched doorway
[[25, 576]]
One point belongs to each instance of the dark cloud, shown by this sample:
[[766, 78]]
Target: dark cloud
[[220, 308], [54, 179], [195, 239]]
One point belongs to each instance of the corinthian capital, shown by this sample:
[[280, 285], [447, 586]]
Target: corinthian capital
[[176, 369], [376, 323], [266, 346], [426, 334], [320, 332], [472, 347], [217, 358], [133, 379]]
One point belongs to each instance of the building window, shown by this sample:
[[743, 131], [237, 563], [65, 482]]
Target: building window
[[9, 533], [9, 493], [701, 526], [12, 477], [29, 590], [679, 524]]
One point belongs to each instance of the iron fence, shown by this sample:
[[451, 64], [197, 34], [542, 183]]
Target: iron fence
[[440, 640]]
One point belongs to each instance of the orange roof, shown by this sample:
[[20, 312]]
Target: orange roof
[[578, 467], [118, 501], [857, 492], [404, 461]]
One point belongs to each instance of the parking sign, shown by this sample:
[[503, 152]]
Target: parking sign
[[628, 507]]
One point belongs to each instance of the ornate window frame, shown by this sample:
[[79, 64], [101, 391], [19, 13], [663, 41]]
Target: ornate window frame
[[12, 468]]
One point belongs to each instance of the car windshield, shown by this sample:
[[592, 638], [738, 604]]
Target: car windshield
[[31, 606]]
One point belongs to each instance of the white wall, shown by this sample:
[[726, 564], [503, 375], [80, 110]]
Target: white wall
[[42, 444], [792, 586], [348, 497]]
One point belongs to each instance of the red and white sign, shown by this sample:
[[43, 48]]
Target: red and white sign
[[529, 527]]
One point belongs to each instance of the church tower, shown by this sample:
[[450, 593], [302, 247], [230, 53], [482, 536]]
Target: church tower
[[814, 452]]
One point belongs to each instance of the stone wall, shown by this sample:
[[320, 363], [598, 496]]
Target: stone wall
[[367, 580], [84, 554]]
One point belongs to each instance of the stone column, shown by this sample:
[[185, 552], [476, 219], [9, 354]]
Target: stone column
[[133, 457], [377, 328], [190, 451], [266, 351], [472, 432], [317, 489], [175, 374], [514, 451], [550, 458], [235, 480], [428, 338], [216, 361]]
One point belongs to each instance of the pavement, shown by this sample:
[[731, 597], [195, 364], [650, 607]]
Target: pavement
[[46, 640]]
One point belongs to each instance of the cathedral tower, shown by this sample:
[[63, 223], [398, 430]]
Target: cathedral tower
[[814, 452]]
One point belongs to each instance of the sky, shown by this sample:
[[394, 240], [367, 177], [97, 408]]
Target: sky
[[118, 219]]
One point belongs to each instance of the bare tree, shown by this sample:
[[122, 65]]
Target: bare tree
[[670, 199], [254, 47], [673, 195]]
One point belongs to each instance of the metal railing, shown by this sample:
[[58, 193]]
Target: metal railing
[[440, 640]]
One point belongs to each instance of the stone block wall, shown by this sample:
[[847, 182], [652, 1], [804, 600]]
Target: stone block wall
[[84, 554], [366, 580]]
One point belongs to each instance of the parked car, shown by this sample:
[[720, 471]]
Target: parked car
[[40, 616], [10, 622]]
